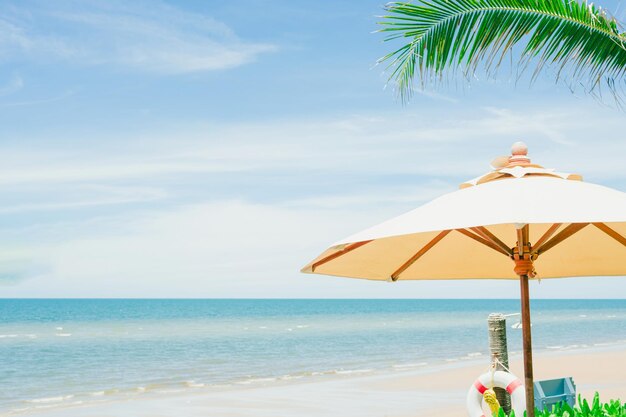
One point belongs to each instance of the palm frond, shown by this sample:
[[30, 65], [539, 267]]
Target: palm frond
[[580, 40]]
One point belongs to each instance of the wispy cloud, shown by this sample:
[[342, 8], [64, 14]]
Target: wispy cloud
[[76, 197], [278, 193], [174, 252], [226, 249], [19, 265], [436, 147], [19, 39], [435, 96], [13, 85], [36, 102], [149, 36], [390, 196]]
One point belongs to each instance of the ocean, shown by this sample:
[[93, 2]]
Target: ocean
[[60, 352]]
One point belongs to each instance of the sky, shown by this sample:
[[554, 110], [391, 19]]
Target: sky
[[211, 149]]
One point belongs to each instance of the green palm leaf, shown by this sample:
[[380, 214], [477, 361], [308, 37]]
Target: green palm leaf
[[580, 40]]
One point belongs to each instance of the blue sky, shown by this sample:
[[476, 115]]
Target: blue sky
[[211, 149]]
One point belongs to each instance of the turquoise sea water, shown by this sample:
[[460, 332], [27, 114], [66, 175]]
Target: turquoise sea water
[[61, 352]]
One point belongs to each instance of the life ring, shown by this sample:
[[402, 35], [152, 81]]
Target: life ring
[[498, 379]]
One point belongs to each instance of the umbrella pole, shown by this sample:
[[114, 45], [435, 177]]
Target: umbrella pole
[[527, 345]]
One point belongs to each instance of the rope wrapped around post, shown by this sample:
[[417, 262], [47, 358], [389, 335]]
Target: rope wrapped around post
[[496, 323]]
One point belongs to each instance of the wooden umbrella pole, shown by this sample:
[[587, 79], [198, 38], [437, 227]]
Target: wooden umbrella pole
[[524, 269], [527, 345]]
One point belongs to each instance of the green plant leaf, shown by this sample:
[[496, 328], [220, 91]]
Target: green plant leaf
[[579, 40]]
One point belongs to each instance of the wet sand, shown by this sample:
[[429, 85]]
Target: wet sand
[[420, 392]]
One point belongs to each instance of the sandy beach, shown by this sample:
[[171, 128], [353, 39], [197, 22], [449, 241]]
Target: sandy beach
[[418, 392]]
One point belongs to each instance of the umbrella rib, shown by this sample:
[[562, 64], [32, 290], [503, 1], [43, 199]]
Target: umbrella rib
[[520, 242], [548, 234], [482, 240], [418, 254], [337, 254], [522, 239], [615, 235], [567, 232], [487, 235]]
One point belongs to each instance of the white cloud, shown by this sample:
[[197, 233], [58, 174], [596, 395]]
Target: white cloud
[[313, 182], [444, 147], [149, 36], [200, 250], [12, 36], [389, 196], [17, 265], [17, 40], [13, 85], [35, 102], [230, 249], [76, 197], [434, 95]]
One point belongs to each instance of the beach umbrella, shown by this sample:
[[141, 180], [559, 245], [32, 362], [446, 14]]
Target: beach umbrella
[[520, 221]]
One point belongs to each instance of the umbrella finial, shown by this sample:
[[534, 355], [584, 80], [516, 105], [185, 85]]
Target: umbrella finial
[[519, 148], [519, 154]]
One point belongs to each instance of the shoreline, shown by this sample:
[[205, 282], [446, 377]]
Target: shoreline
[[438, 390]]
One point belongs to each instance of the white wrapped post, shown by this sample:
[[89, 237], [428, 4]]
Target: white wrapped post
[[499, 353]]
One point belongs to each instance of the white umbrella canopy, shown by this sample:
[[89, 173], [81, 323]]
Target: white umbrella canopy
[[497, 206], [498, 226]]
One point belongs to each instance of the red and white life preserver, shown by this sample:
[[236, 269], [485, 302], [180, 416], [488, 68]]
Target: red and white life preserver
[[499, 379]]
